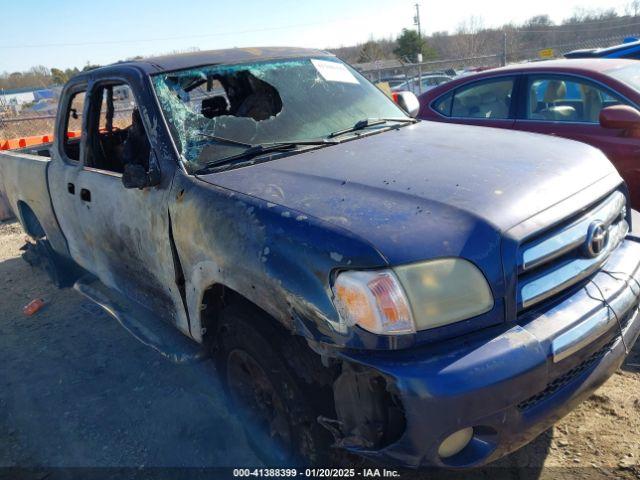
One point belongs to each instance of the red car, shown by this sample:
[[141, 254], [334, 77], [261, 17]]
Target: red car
[[595, 101]]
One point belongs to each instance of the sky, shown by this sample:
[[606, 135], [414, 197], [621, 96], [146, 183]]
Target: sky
[[64, 33]]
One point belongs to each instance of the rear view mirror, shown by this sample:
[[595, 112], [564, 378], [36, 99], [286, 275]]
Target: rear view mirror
[[620, 117], [408, 102], [136, 176]]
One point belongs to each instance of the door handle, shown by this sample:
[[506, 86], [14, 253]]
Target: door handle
[[71, 188], [85, 195]]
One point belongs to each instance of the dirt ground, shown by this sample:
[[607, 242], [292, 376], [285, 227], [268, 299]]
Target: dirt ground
[[77, 391]]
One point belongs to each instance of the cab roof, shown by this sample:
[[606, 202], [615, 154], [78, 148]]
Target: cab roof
[[181, 61]]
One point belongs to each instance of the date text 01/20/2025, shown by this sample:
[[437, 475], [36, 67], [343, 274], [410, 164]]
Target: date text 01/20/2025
[[316, 473]]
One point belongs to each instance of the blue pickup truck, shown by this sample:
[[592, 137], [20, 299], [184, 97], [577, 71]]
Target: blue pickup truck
[[630, 48], [421, 294]]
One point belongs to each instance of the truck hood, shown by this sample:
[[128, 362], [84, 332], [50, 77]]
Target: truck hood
[[426, 190]]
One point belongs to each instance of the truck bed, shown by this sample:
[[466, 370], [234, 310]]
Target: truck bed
[[23, 181], [38, 150]]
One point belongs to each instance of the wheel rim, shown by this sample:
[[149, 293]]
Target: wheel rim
[[252, 391]]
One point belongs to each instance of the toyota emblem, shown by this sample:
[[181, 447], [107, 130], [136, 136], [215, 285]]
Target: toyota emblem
[[597, 239]]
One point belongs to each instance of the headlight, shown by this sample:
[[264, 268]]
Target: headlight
[[444, 291], [412, 297], [373, 300]]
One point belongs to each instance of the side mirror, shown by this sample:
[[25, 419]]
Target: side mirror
[[408, 102], [620, 117], [136, 176]]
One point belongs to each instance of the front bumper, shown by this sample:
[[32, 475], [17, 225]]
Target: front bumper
[[512, 382]]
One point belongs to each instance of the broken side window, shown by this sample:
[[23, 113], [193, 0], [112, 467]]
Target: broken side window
[[116, 132], [215, 112], [73, 127]]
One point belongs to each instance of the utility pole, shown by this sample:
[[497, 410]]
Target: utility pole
[[416, 21], [504, 49]]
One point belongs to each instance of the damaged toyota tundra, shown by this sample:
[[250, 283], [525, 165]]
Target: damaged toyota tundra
[[419, 294]]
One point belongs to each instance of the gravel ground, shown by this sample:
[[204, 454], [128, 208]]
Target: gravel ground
[[77, 391]]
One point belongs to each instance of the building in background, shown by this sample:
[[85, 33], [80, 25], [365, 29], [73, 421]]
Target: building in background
[[44, 101]]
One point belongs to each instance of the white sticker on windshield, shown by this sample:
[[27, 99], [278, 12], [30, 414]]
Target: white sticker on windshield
[[334, 71]]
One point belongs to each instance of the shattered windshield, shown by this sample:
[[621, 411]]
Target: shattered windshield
[[216, 112]]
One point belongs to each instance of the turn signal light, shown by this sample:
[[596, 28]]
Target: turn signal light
[[374, 301]]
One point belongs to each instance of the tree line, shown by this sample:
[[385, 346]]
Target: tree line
[[39, 77], [470, 39], [43, 77]]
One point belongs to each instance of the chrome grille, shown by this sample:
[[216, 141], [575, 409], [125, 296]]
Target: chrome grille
[[566, 254], [566, 378]]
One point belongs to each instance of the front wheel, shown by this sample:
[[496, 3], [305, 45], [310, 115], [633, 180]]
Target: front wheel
[[275, 406]]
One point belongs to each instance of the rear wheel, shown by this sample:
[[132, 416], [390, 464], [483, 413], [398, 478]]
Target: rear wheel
[[41, 254], [51, 262], [277, 413]]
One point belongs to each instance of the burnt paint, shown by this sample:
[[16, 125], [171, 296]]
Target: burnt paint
[[122, 235], [276, 232], [416, 195], [266, 253]]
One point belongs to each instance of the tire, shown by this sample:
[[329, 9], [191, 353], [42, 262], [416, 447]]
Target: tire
[[41, 254], [51, 263], [277, 413]]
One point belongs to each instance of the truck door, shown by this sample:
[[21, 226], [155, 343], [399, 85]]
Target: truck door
[[121, 235], [65, 165]]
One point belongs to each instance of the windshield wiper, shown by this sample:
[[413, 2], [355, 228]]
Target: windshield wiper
[[223, 139], [370, 122], [262, 148]]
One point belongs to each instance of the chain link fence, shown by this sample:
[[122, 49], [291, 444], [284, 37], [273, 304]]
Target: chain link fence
[[384, 69], [27, 125], [508, 47], [559, 49], [380, 71]]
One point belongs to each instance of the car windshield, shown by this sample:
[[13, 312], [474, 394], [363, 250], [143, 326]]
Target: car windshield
[[629, 75], [215, 112]]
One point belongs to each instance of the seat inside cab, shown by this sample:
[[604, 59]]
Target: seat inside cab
[[117, 135]]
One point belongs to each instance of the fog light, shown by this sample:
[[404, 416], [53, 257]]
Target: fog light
[[455, 442]]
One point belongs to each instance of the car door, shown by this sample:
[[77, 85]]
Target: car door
[[569, 106], [119, 234], [487, 102], [65, 165]]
